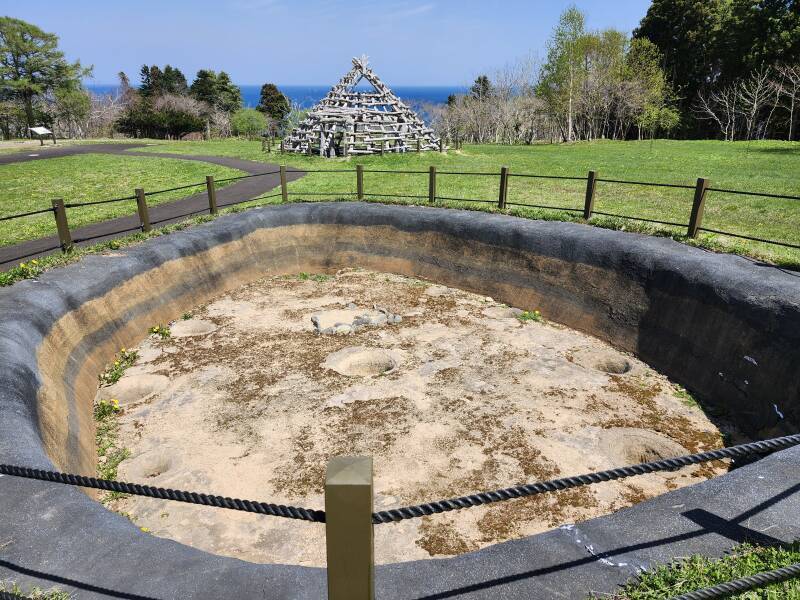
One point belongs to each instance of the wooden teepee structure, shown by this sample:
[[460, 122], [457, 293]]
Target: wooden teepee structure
[[354, 122]]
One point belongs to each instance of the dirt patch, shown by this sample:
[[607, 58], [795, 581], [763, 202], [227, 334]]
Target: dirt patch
[[450, 393]]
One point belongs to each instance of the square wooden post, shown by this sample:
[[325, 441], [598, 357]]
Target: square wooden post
[[64, 235], [360, 182], [419, 144], [432, 184], [212, 194], [284, 188], [141, 205], [348, 528], [591, 184], [501, 200], [696, 218]]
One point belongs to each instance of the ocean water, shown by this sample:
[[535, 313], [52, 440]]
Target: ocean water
[[308, 95]]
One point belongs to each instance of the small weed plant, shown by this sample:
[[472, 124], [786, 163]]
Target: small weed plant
[[25, 270], [161, 331], [110, 455], [115, 370], [530, 315]]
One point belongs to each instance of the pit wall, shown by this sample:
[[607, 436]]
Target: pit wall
[[725, 327]]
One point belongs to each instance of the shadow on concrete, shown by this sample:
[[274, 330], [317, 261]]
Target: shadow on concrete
[[709, 524]]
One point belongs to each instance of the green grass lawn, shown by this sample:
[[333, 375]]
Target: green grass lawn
[[30, 186], [699, 572], [771, 167]]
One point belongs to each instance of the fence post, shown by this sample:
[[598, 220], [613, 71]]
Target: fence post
[[212, 194], [360, 182], [501, 201], [419, 144], [64, 236], [348, 528], [441, 144], [141, 204], [284, 189], [696, 219], [432, 184], [591, 184]]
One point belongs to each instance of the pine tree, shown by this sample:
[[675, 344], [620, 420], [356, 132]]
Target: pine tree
[[273, 102]]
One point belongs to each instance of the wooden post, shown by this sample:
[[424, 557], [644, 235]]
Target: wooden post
[[591, 184], [281, 145], [501, 201], [383, 147], [696, 219], [141, 204], [212, 194], [360, 182], [441, 144], [284, 188], [432, 184], [348, 528], [419, 144], [64, 236]]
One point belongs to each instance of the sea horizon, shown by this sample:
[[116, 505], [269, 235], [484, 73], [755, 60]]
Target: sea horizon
[[305, 96]]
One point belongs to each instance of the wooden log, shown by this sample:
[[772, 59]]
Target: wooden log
[[141, 205], [591, 184], [64, 235], [698, 206]]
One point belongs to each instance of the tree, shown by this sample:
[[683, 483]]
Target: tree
[[204, 87], [156, 82], [788, 86], [218, 91], [482, 88], [248, 122], [31, 64], [71, 109], [273, 102], [559, 83]]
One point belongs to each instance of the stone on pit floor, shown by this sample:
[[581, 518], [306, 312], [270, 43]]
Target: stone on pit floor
[[191, 327], [350, 319]]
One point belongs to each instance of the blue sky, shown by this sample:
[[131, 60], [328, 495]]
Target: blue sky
[[409, 42]]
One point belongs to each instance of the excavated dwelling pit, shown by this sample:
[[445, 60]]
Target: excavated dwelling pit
[[456, 395], [449, 391]]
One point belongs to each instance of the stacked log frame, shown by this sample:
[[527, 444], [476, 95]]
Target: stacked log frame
[[348, 122]]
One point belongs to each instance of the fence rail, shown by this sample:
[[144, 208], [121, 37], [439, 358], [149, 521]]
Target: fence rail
[[349, 518], [694, 224]]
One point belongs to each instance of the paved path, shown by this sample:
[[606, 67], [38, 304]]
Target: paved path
[[160, 215]]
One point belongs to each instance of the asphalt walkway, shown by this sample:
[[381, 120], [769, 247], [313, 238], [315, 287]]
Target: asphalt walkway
[[162, 214]]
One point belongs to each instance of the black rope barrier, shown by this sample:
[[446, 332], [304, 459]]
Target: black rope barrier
[[735, 586], [104, 235], [418, 196], [605, 214], [580, 210], [321, 193], [764, 195], [248, 176], [27, 214], [251, 506], [535, 176], [454, 199], [751, 238], [173, 189], [94, 202], [483, 173], [400, 172], [553, 485], [667, 185]]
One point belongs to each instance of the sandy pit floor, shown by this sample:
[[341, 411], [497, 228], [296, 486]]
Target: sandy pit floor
[[450, 392]]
